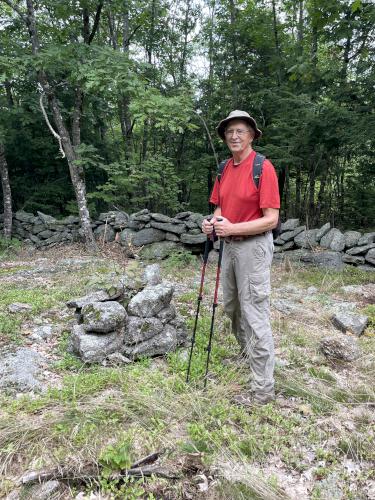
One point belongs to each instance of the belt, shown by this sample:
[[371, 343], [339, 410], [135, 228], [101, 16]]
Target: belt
[[228, 239]]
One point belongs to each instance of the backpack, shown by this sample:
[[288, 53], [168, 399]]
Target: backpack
[[257, 172]]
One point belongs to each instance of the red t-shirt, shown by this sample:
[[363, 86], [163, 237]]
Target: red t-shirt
[[237, 195]]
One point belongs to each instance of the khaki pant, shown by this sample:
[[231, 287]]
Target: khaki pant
[[246, 288]]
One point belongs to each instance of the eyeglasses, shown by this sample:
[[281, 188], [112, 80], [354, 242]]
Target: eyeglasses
[[239, 131]]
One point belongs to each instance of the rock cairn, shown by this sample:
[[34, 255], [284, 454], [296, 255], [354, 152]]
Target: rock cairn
[[128, 320], [155, 236]]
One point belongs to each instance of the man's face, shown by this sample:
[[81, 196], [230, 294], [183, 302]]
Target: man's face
[[238, 136]]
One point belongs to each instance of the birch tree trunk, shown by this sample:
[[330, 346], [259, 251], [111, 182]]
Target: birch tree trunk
[[7, 194], [76, 172]]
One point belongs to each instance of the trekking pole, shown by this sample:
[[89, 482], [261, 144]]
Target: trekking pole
[[214, 306], [200, 296]]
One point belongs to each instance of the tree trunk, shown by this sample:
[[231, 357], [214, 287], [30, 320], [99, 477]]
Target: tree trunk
[[7, 194], [298, 190], [277, 43], [76, 171]]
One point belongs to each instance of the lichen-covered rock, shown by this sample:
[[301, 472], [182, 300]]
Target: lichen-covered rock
[[99, 296], [327, 259], [193, 239], [163, 343], [306, 239], [21, 370], [105, 233], [366, 239], [141, 329], [158, 251], [370, 256], [103, 317], [354, 323], [361, 249], [344, 348], [93, 347], [147, 236], [353, 259], [351, 238], [150, 301], [151, 275], [167, 314], [334, 239], [322, 231], [289, 225]]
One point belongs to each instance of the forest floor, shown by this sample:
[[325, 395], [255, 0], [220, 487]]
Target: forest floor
[[316, 441]]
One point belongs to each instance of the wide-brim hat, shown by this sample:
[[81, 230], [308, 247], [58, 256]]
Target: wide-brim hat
[[238, 115]]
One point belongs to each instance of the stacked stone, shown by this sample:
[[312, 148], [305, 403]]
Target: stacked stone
[[155, 236], [129, 320], [354, 248], [43, 230]]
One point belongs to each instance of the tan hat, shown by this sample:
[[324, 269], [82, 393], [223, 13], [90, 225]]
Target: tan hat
[[238, 115]]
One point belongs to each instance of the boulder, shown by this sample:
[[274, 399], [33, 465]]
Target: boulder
[[286, 246], [126, 236], [334, 239], [360, 250], [103, 317], [167, 314], [351, 238], [94, 348], [48, 490], [159, 251], [151, 275], [163, 343], [23, 216], [182, 215], [45, 234], [328, 259], [366, 239], [70, 220], [19, 307], [172, 237], [105, 233], [193, 239], [370, 256], [141, 329], [354, 323], [21, 370], [169, 228], [179, 324], [353, 259], [99, 296], [147, 236], [162, 218], [287, 236], [306, 239], [46, 219], [150, 301], [289, 225], [344, 348], [322, 231]]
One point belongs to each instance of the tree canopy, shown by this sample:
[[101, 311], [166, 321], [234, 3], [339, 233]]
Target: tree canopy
[[134, 85]]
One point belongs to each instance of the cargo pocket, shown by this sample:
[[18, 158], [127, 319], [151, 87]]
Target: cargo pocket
[[260, 287]]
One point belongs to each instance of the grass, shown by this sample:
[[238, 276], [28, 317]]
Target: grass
[[112, 416]]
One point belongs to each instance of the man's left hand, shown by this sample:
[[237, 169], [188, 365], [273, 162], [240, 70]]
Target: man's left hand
[[223, 227]]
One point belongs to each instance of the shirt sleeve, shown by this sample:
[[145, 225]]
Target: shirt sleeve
[[269, 196], [215, 195]]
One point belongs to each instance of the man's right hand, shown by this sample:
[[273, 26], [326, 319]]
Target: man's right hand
[[208, 225]]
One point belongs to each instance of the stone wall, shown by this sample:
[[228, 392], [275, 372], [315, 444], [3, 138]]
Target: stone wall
[[156, 235]]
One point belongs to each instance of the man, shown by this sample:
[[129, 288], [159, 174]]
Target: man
[[244, 217]]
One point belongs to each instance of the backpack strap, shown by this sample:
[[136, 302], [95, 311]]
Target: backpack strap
[[257, 168], [221, 168]]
